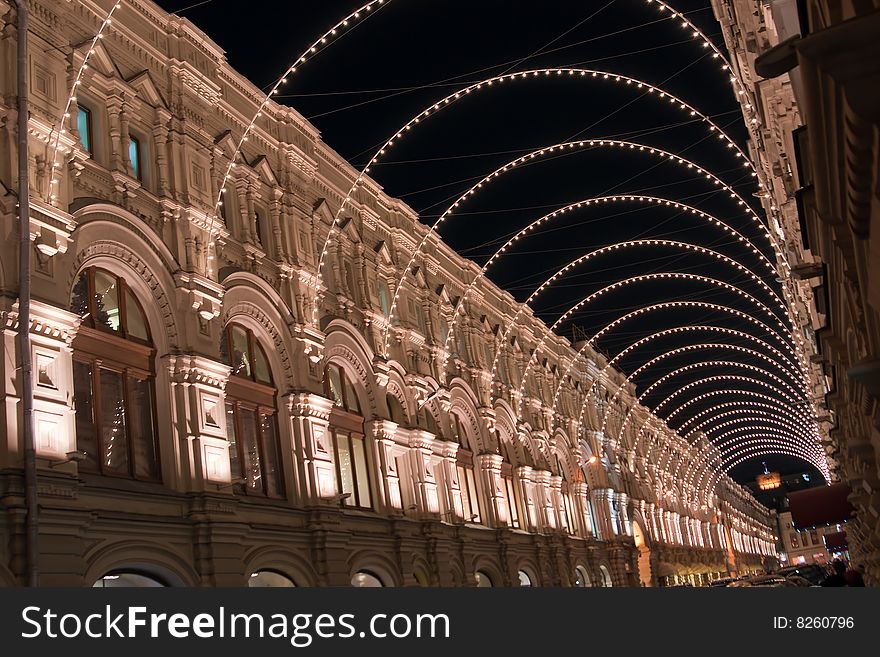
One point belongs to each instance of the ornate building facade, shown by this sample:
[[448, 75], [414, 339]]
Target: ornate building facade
[[210, 411], [813, 68]]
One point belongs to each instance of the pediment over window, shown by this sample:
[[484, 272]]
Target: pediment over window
[[321, 210], [446, 299], [147, 90], [348, 226], [262, 167], [100, 60], [225, 142], [383, 252], [419, 275]]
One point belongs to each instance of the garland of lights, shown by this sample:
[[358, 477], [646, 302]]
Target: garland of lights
[[561, 147], [681, 350], [757, 414], [753, 442], [500, 79], [692, 366], [642, 242], [583, 302], [696, 327], [733, 439], [711, 379], [678, 304], [663, 275], [658, 359], [737, 405], [791, 402], [320, 44], [58, 129], [757, 452], [673, 331]]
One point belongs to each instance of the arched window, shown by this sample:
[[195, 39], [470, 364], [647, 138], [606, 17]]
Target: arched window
[[581, 577], [347, 433], [467, 482], [366, 579], [395, 409], [524, 579], [483, 580], [269, 579], [113, 379], [606, 576], [251, 423]]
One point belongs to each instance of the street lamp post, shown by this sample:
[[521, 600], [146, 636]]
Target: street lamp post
[[24, 304]]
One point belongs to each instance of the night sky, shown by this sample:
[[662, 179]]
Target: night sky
[[411, 53]]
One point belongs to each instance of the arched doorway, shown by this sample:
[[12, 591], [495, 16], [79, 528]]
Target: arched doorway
[[269, 579], [644, 564], [117, 579], [606, 576], [366, 579], [483, 580]]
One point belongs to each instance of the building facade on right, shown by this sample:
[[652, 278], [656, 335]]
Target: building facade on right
[[813, 109]]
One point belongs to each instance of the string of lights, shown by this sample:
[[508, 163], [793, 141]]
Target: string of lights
[[781, 386], [667, 305], [533, 226], [318, 45], [59, 128], [778, 418], [678, 351], [500, 79], [779, 336], [619, 245]]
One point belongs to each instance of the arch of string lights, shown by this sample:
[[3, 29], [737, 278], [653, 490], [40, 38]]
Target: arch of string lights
[[800, 440]]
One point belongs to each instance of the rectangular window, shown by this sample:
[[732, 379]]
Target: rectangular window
[[86, 431], [113, 424], [352, 475], [250, 452], [272, 476], [84, 127], [360, 467], [253, 451], [134, 156], [469, 501], [570, 520], [232, 438], [143, 446], [510, 497]]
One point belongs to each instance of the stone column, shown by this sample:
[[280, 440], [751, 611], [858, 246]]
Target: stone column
[[581, 494], [488, 468], [451, 493], [244, 210], [422, 467], [531, 495], [118, 150], [381, 435], [275, 215], [312, 447], [556, 503], [160, 139]]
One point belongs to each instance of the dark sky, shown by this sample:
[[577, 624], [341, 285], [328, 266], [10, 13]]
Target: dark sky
[[411, 53]]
